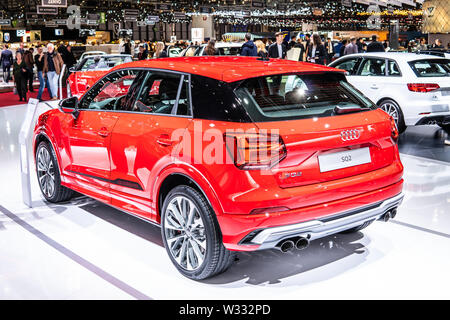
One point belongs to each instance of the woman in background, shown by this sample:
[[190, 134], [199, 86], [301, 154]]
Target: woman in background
[[160, 52], [316, 52], [261, 47], [20, 76], [210, 49]]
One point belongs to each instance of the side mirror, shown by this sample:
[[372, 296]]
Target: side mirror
[[72, 69], [70, 105], [347, 73]]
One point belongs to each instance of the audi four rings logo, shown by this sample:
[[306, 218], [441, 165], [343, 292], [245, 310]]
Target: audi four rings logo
[[348, 135]]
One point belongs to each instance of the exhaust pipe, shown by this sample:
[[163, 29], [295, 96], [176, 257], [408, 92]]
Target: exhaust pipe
[[302, 243], [286, 246], [393, 213], [385, 217]]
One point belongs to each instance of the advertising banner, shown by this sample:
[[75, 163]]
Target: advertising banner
[[47, 10], [54, 3]]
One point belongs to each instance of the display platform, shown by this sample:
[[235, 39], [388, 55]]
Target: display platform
[[86, 250]]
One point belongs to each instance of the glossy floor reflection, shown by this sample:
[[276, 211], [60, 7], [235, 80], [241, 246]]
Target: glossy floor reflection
[[86, 250]]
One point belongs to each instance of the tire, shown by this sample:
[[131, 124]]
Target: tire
[[358, 228], [393, 109], [49, 179], [446, 128], [197, 231]]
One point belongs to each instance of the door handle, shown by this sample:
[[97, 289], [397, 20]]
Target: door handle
[[374, 86], [164, 140]]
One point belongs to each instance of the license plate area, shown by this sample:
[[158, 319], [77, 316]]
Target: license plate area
[[344, 159]]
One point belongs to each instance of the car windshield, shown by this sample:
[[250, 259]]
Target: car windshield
[[431, 67], [297, 96], [96, 63]]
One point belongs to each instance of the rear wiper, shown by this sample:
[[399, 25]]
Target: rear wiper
[[348, 109]]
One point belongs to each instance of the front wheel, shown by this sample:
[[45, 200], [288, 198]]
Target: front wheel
[[48, 175], [192, 236], [393, 109]]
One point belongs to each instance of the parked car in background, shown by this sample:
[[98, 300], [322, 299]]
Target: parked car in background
[[413, 88], [290, 165], [223, 48], [91, 54], [90, 69]]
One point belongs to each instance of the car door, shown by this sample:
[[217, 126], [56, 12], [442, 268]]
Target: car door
[[142, 140], [89, 134], [370, 77]]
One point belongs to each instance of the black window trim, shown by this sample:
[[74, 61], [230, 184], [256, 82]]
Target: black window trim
[[398, 67], [156, 114]]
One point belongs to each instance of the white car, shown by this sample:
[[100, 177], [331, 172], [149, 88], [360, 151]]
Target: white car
[[223, 48], [413, 88], [91, 54]]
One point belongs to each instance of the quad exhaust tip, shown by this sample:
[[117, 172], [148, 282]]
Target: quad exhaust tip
[[286, 246], [389, 215], [302, 243]]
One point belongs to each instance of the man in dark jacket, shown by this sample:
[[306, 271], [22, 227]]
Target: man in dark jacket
[[29, 61], [278, 49], [375, 46], [6, 61], [249, 49]]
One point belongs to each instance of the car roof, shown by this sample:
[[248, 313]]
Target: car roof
[[404, 56], [228, 68]]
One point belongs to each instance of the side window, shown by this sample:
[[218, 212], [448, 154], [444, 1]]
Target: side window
[[110, 92], [393, 69], [349, 65], [373, 67], [159, 93]]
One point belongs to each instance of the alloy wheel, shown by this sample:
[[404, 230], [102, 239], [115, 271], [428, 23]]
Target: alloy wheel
[[391, 110], [184, 231], [46, 172]]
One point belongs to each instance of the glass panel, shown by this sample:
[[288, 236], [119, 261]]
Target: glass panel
[[374, 67], [393, 69], [431, 68], [158, 94]]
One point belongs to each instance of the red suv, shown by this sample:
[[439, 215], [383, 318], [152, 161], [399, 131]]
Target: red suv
[[225, 153]]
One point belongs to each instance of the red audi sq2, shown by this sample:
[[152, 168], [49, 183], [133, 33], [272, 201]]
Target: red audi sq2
[[226, 154]]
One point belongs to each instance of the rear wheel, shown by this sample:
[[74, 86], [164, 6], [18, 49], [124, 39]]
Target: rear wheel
[[358, 228], [446, 128], [192, 236], [393, 109], [48, 175]]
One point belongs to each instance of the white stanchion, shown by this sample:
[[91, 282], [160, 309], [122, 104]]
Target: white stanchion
[[25, 146]]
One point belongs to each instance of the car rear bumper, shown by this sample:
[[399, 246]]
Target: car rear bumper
[[265, 231]]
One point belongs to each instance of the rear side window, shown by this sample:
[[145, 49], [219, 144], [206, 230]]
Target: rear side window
[[215, 100], [431, 67], [298, 96]]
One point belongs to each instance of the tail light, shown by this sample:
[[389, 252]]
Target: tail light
[[394, 130], [255, 151], [422, 87]]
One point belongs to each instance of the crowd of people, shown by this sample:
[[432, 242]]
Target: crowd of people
[[48, 64]]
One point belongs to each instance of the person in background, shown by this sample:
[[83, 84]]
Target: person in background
[[160, 52], [249, 49], [316, 51], [145, 44], [307, 43], [341, 50], [292, 43], [422, 44], [361, 45], [20, 76], [278, 49], [142, 55], [351, 47], [70, 58], [6, 61], [261, 48], [330, 50], [210, 49], [39, 62], [438, 44], [127, 47], [300, 45], [52, 68], [62, 50], [375, 46], [29, 61], [21, 49]]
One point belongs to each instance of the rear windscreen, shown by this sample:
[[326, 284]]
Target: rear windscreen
[[297, 96], [431, 67]]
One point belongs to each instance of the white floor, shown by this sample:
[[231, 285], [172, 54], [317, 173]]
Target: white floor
[[86, 250]]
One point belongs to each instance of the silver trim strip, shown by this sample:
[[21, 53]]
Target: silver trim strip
[[314, 229]]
